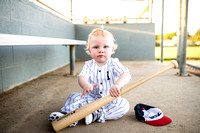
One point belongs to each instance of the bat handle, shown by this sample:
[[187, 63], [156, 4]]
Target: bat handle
[[173, 64]]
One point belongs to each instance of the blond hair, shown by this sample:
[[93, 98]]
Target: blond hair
[[104, 33]]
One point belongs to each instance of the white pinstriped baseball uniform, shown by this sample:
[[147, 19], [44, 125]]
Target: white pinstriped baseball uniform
[[106, 77]]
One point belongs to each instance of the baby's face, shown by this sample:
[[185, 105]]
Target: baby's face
[[100, 49]]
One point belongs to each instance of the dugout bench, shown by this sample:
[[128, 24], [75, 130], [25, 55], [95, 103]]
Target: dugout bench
[[23, 40]]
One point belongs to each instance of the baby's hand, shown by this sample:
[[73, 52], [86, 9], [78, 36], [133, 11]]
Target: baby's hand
[[88, 88], [115, 90]]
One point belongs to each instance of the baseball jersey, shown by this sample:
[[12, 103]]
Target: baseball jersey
[[105, 76]]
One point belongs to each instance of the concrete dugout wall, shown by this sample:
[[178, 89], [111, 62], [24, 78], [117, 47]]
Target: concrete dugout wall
[[21, 63]]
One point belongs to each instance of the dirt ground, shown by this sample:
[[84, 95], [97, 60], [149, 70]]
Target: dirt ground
[[25, 109]]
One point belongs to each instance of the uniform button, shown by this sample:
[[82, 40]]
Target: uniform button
[[99, 70], [100, 92], [101, 83]]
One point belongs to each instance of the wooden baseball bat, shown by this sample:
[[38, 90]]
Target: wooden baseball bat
[[83, 111]]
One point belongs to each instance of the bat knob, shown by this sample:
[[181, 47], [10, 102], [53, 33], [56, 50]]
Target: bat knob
[[175, 63]]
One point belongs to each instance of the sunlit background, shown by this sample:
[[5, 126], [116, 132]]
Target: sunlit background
[[132, 9], [136, 11]]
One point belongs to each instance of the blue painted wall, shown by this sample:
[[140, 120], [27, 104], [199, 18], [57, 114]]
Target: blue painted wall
[[21, 63], [135, 41]]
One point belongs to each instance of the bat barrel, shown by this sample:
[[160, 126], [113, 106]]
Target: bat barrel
[[80, 113]]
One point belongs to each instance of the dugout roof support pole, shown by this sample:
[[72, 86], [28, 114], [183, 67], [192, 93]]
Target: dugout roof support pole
[[182, 61], [179, 34]]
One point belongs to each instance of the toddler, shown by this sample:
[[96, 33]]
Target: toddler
[[100, 76]]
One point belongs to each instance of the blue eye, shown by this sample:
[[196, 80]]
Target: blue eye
[[106, 47], [96, 47]]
